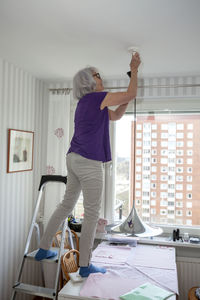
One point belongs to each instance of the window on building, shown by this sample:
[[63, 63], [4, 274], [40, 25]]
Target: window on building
[[179, 152], [168, 175], [189, 152]]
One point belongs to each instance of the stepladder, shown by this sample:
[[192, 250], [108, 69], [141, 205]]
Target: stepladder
[[35, 290]]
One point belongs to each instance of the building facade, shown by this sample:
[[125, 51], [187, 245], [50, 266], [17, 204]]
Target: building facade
[[165, 169]]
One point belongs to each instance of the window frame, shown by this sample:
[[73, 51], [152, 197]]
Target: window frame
[[168, 228]]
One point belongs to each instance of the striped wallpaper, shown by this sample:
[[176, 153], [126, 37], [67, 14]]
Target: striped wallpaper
[[23, 105]]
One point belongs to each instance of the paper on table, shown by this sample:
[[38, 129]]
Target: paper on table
[[163, 277], [153, 256], [147, 291], [111, 255]]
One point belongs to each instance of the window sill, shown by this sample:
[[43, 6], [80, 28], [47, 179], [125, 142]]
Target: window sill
[[157, 240]]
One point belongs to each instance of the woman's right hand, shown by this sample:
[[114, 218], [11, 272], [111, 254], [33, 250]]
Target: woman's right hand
[[135, 62]]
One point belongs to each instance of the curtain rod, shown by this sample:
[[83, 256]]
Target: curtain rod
[[67, 90]]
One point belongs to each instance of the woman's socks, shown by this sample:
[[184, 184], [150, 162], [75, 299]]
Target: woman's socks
[[86, 271], [42, 254]]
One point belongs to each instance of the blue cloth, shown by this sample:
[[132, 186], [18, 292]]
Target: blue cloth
[[91, 135]]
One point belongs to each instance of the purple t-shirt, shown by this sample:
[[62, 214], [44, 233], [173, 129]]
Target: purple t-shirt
[[91, 135]]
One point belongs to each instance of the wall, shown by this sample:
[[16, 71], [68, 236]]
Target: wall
[[23, 105]]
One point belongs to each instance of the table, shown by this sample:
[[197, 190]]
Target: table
[[127, 268]]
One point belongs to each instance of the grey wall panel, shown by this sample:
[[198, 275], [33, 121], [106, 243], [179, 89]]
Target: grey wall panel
[[22, 106]]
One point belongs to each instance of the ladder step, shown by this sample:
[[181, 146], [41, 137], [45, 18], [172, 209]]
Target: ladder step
[[35, 290]]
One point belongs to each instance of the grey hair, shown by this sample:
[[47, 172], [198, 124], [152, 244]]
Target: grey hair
[[83, 82]]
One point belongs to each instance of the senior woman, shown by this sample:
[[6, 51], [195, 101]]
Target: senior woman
[[90, 147]]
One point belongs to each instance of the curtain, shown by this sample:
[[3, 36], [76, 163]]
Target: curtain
[[57, 146]]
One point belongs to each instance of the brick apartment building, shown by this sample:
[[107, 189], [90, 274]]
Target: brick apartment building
[[167, 168]]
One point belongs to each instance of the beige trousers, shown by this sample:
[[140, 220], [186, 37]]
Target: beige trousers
[[86, 175]]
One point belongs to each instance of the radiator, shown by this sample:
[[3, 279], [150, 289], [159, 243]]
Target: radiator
[[188, 275]]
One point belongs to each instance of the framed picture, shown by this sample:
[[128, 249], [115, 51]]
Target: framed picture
[[20, 150]]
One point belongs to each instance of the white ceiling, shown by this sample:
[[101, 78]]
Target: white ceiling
[[55, 38]]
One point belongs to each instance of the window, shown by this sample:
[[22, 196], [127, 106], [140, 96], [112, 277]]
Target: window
[[167, 177], [164, 152], [153, 194], [179, 161], [179, 187], [189, 196], [171, 186], [179, 178], [190, 135], [164, 135], [138, 160], [138, 193], [180, 126], [163, 186], [180, 144], [164, 144], [190, 144], [189, 178], [138, 176], [163, 195], [154, 152], [164, 161], [179, 152], [164, 126], [189, 170], [139, 127], [154, 144], [189, 187], [189, 204], [189, 152], [188, 213], [190, 126], [179, 195], [154, 169], [163, 177], [138, 185], [180, 135], [139, 144], [179, 213], [164, 169], [138, 152], [154, 135], [179, 170], [138, 168], [189, 161]]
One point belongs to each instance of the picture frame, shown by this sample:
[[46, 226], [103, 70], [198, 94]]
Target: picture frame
[[20, 150]]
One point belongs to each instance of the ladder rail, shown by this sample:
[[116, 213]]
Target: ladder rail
[[44, 180], [64, 226]]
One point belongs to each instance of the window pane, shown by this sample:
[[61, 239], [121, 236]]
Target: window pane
[[167, 189]]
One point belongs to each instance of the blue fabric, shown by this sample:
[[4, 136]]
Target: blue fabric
[[44, 254], [86, 271], [91, 134]]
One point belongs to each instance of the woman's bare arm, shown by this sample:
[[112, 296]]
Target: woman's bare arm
[[120, 98]]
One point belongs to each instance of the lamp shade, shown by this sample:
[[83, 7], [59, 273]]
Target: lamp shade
[[133, 225]]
